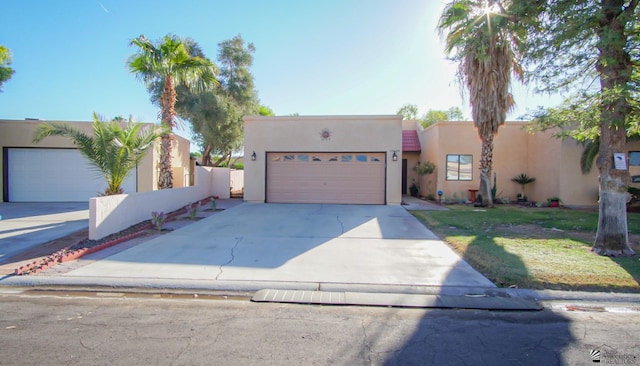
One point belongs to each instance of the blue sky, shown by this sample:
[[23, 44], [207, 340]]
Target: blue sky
[[312, 57]]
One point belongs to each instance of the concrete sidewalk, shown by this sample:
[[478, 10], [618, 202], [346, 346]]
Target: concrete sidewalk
[[304, 247]]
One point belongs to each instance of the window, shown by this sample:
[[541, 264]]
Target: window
[[361, 158], [289, 157], [335, 158], [459, 167], [303, 157], [634, 158], [374, 159], [346, 158], [315, 158]]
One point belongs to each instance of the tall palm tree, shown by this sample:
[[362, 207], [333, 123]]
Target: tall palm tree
[[481, 36], [169, 62], [113, 150]]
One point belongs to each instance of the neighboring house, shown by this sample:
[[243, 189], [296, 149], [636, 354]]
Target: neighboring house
[[350, 159], [54, 170]]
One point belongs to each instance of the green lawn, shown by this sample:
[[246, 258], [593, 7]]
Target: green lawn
[[534, 247]]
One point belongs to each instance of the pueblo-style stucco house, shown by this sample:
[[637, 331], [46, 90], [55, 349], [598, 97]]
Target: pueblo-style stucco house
[[54, 170], [370, 160]]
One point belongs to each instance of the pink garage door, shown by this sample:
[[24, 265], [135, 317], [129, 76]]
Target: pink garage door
[[301, 177]]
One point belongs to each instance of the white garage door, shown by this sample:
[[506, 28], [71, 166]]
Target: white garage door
[[357, 178], [54, 175]]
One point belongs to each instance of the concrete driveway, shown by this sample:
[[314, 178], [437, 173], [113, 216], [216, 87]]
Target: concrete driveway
[[254, 246], [25, 225]]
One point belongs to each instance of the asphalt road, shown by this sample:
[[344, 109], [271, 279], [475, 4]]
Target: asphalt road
[[122, 330]]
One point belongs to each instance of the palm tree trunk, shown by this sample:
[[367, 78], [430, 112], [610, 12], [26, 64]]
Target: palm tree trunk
[[167, 104], [486, 161], [165, 176]]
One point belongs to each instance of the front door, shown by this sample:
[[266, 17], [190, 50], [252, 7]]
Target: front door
[[404, 176]]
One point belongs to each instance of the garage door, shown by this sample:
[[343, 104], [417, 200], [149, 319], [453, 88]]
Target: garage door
[[54, 175], [357, 178]]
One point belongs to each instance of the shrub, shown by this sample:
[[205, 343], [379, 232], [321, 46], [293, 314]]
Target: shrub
[[158, 219]]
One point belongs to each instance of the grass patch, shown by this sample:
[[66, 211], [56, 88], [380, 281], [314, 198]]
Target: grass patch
[[536, 248]]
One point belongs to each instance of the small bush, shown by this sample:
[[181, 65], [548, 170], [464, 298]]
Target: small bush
[[193, 210], [158, 219]]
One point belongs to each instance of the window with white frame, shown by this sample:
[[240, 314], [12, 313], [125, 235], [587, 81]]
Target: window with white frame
[[459, 167]]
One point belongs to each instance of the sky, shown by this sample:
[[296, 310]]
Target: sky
[[313, 57]]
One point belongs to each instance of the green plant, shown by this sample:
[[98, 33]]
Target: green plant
[[239, 166], [523, 179], [113, 149], [553, 201], [414, 190], [193, 210], [424, 168], [170, 62], [158, 219]]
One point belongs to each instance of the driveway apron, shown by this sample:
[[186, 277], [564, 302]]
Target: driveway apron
[[289, 243], [25, 225]]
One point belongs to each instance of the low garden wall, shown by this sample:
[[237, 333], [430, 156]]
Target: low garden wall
[[111, 214]]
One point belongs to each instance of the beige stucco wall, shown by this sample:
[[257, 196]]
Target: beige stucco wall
[[17, 133], [110, 214], [553, 162], [303, 133], [515, 151]]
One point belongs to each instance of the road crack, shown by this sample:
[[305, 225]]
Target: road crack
[[233, 257], [365, 343]]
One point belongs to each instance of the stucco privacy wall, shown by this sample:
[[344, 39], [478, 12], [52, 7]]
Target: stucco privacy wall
[[110, 214], [304, 134], [19, 134]]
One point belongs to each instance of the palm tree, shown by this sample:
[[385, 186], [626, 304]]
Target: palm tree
[[523, 179], [482, 38], [170, 63], [113, 150]]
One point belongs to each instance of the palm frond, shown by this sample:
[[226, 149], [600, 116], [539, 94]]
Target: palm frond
[[112, 150]]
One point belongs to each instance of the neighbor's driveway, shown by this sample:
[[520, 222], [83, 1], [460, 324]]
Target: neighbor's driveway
[[25, 225], [254, 246]]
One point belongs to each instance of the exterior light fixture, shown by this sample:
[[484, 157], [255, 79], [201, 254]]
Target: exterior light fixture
[[394, 156], [253, 156]]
